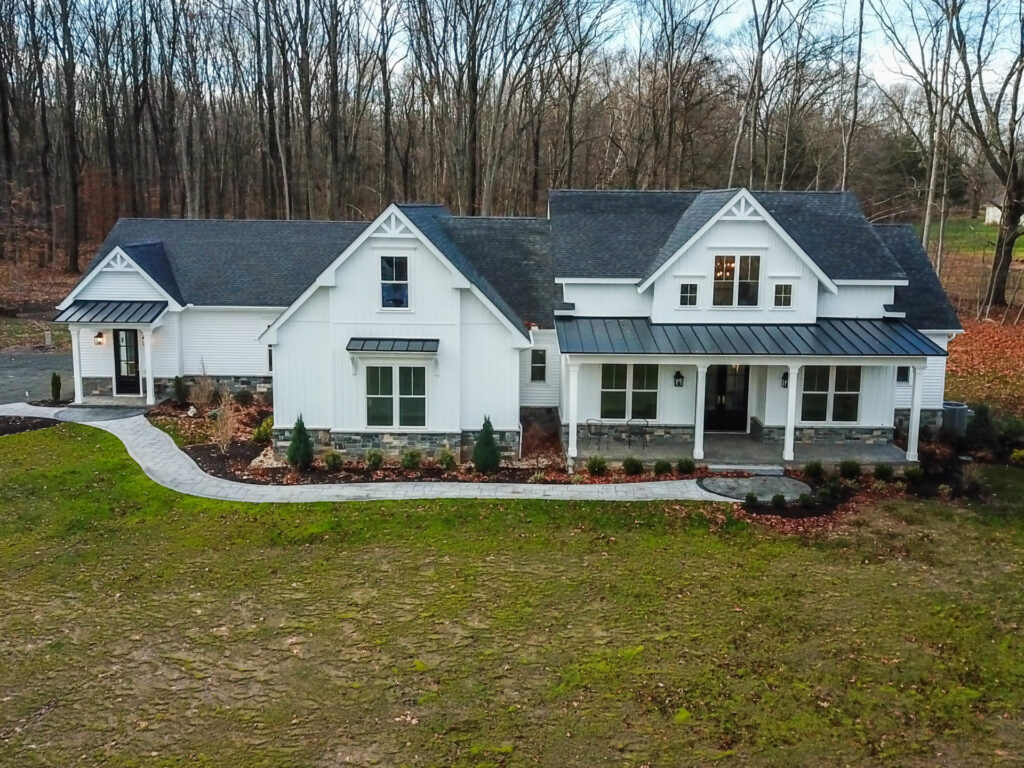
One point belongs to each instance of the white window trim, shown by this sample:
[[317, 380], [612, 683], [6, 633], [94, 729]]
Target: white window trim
[[830, 397], [774, 283], [679, 287], [381, 281], [738, 255], [395, 397], [629, 394], [544, 366]]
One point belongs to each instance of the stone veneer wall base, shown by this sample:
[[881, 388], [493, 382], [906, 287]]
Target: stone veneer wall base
[[356, 444]]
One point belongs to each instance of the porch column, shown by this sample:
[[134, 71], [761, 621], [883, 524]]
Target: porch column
[[915, 413], [76, 361], [698, 412], [147, 342], [787, 446], [574, 386]]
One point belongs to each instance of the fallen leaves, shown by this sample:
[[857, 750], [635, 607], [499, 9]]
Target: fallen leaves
[[986, 364]]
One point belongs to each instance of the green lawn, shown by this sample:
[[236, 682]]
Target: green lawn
[[142, 628], [19, 332], [971, 237]]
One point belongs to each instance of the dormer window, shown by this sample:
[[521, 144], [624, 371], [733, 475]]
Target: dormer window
[[737, 281], [394, 282]]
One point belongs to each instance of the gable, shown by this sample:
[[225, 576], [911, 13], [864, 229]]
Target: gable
[[118, 277]]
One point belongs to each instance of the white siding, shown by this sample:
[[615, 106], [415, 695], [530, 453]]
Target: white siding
[[855, 301], [541, 393], [490, 369], [933, 380], [675, 404], [121, 284], [607, 300], [224, 342], [96, 361]]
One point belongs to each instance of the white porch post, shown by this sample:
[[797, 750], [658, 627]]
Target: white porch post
[[76, 360], [698, 412], [915, 413], [787, 447], [147, 341], [574, 386]]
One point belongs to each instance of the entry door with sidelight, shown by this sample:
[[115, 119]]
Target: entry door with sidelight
[[725, 407], [126, 361]]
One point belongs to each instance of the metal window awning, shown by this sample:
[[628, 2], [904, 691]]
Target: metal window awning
[[828, 337], [374, 344], [118, 312]]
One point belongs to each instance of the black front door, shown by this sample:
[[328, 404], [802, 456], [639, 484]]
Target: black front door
[[126, 362], [725, 407]]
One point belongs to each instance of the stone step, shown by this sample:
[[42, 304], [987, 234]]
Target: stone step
[[768, 470]]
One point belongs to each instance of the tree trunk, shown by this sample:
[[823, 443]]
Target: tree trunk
[[1009, 231]]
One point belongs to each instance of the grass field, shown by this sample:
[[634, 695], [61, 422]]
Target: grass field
[[18, 332], [142, 628], [972, 237]]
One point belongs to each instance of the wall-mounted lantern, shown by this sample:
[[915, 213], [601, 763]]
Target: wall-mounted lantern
[[98, 339], [785, 380], [678, 379]]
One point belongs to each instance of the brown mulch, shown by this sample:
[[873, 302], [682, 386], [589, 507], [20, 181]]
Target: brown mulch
[[12, 425]]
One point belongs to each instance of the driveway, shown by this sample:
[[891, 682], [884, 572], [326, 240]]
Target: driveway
[[28, 370]]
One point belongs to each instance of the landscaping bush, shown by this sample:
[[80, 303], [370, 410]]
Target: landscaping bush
[[333, 461], [883, 472], [597, 466], [446, 460], [411, 460], [180, 389], [982, 433], [806, 501], [244, 398], [374, 459], [686, 466], [486, 455], [55, 387], [204, 392], [1017, 457], [662, 467], [300, 449], [913, 475], [750, 500], [225, 425], [849, 469], [264, 431], [539, 477], [778, 501], [814, 471], [631, 465]]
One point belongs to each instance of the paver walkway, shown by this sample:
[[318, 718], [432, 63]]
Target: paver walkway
[[764, 487], [168, 465]]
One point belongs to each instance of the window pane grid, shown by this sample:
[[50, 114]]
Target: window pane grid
[[784, 295], [538, 365], [394, 282], [381, 396], [635, 385], [688, 295], [831, 393]]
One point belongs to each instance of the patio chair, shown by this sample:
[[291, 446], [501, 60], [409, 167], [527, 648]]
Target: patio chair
[[639, 429], [596, 430]]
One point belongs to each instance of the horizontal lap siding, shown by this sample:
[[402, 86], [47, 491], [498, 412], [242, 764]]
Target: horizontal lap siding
[[541, 393], [125, 285], [225, 342]]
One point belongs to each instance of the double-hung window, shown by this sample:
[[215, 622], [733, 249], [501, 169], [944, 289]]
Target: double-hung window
[[737, 281], [391, 406], [831, 393], [538, 365], [394, 282], [629, 391]]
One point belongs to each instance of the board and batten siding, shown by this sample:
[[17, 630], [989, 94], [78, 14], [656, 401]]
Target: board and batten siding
[[933, 380], [540, 394], [607, 300]]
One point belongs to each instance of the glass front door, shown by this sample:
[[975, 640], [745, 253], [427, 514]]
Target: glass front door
[[126, 362], [725, 405]]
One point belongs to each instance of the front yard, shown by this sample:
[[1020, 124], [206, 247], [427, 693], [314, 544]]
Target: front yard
[[142, 628]]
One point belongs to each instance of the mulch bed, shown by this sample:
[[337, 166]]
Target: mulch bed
[[12, 425]]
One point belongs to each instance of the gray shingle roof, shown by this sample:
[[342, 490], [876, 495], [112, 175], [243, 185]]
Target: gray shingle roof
[[216, 262], [152, 258], [924, 300], [629, 234]]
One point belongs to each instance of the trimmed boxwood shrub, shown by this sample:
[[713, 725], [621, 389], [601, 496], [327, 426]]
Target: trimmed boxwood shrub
[[486, 455], [300, 449], [374, 459], [750, 500], [778, 501], [446, 460], [333, 461], [597, 466], [411, 460], [686, 466], [849, 469], [662, 467], [913, 475], [883, 472], [813, 470], [631, 465]]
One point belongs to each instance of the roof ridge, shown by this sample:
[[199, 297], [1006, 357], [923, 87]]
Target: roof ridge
[[190, 219]]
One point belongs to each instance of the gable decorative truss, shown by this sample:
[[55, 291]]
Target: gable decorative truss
[[391, 222], [743, 206], [118, 261]]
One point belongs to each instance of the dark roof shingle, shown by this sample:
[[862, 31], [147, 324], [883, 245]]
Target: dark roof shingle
[[924, 300]]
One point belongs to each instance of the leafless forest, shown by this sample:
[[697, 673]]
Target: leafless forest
[[333, 108]]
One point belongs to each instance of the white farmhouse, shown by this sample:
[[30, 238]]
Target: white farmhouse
[[667, 315]]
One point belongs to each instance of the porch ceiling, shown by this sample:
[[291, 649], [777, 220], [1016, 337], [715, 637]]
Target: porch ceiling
[[127, 312], [828, 337]]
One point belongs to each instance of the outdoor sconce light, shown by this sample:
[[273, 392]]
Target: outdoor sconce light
[[678, 379], [97, 340], [785, 380]]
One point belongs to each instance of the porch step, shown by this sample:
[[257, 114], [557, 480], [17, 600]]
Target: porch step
[[771, 470]]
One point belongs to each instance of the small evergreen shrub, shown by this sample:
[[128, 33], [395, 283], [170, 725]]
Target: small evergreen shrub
[[597, 466], [913, 475], [486, 455], [446, 460], [778, 501], [806, 501], [374, 459], [883, 472], [814, 471], [1017, 457], [686, 466], [180, 390], [662, 467], [244, 398], [750, 500], [849, 469], [982, 432], [631, 465], [411, 460], [333, 461], [265, 431], [300, 449], [55, 387], [539, 477]]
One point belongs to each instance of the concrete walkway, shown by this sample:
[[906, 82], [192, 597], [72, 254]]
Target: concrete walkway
[[166, 464]]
